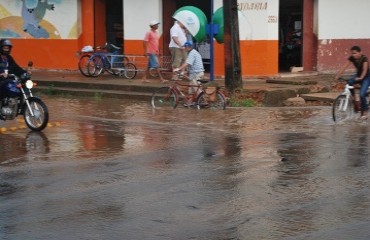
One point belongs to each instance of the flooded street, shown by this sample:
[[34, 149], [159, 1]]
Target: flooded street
[[112, 169]]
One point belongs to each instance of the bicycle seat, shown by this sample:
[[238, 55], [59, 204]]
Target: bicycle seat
[[202, 81]]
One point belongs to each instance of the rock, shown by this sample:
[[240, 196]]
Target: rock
[[276, 98], [296, 101]]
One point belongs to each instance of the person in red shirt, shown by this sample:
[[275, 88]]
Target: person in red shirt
[[151, 50]]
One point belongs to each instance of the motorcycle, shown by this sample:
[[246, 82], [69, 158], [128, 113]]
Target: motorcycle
[[17, 99]]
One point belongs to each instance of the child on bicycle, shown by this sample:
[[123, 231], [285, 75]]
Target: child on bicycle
[[362, 76], [194, 63]]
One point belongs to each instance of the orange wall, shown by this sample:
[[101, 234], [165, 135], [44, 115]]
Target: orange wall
[[99, 28], [87, 23], [46, 53], [134, 47], [258, 58]]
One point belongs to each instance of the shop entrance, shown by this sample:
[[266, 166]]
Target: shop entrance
[[108, 22], [114, 22], [290, 34]]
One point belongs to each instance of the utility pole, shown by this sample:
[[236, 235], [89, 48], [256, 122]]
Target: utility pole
[[233, 79]]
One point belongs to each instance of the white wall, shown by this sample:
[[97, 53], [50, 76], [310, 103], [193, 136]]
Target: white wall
[[137, 14], [343, 19], [258, 20]]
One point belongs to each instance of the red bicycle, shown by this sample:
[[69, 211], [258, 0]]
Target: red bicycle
[[204, 96]]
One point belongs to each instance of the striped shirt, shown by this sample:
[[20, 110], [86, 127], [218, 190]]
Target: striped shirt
[[195, 62]]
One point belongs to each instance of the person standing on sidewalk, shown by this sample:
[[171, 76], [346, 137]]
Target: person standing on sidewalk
[[178, 39], [362, 76], [151, 50]]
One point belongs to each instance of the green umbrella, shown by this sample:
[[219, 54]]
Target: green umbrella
[[194, 20]]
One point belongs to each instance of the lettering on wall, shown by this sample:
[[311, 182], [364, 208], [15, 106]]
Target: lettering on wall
[[255, 6], [272, 19]]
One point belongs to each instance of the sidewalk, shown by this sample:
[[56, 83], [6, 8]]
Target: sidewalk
[[269, 91]]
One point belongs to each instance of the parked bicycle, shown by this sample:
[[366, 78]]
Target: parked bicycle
[[95, 61], [344, 106], [209, 97]]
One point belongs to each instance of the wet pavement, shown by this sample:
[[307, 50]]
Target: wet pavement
[[114, 169]]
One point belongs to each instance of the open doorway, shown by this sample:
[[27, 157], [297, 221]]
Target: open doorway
[[108, 22], [290, 34], [114, 22]]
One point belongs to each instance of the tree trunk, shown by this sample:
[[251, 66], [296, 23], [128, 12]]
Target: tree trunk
[[233, 79]]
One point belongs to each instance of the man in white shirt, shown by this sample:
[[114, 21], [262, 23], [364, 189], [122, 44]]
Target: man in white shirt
[[178, 39]]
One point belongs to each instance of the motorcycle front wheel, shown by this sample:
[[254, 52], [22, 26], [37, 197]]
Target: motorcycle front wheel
[[40, 117]]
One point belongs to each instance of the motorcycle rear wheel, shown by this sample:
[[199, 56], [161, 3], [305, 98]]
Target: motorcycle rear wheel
[[40, 117]]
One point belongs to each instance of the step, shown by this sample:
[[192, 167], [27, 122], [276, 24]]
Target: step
[[95, 92], [324, 97], [128, 87], [292, 82]]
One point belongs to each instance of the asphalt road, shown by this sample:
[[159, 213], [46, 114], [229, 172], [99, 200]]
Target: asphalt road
[[113, 169]]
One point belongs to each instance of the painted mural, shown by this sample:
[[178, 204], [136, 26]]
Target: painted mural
[[39, 19]]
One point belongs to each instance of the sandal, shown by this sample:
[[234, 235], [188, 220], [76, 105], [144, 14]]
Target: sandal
[[363, 118]]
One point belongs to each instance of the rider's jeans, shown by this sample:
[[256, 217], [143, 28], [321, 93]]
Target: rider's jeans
[[364, 86]]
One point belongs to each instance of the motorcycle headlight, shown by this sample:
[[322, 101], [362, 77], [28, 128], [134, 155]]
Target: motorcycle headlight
[[29, 84]]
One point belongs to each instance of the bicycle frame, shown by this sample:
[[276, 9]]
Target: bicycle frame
[[347, 93], [175, 87], [344, 105]]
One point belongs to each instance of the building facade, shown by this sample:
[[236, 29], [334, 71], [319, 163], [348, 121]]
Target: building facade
[[275, 35]]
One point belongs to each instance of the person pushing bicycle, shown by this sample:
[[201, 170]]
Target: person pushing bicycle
[[362, 76], [194, 63]]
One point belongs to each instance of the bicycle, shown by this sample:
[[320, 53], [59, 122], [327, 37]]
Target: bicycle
[[209, 97], [344, 105], [96, 60]]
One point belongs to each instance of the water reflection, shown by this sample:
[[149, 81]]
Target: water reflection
[[96, 137], [37, 143], [116, 170], [358, 144]]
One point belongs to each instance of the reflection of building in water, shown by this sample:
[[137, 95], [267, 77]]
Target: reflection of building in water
[[293, 180], [97, 137], [11, 147], [358, 148]]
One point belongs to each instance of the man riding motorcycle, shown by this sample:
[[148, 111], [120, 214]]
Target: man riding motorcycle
[[7, 64]]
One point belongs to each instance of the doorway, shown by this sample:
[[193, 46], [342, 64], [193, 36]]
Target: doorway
[[108, 22], [114, 22], [290, 34]]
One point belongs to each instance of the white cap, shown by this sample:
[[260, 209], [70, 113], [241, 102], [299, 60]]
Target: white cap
[[154, 22]]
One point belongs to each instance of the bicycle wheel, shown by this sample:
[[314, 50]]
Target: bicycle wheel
[[343, 108], [130, 71], [95, 66], [203, 101], [118, 65], [82, 65], [164, 97]]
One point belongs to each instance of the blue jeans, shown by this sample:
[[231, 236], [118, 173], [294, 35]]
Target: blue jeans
[[364, 86], [153, 61]]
